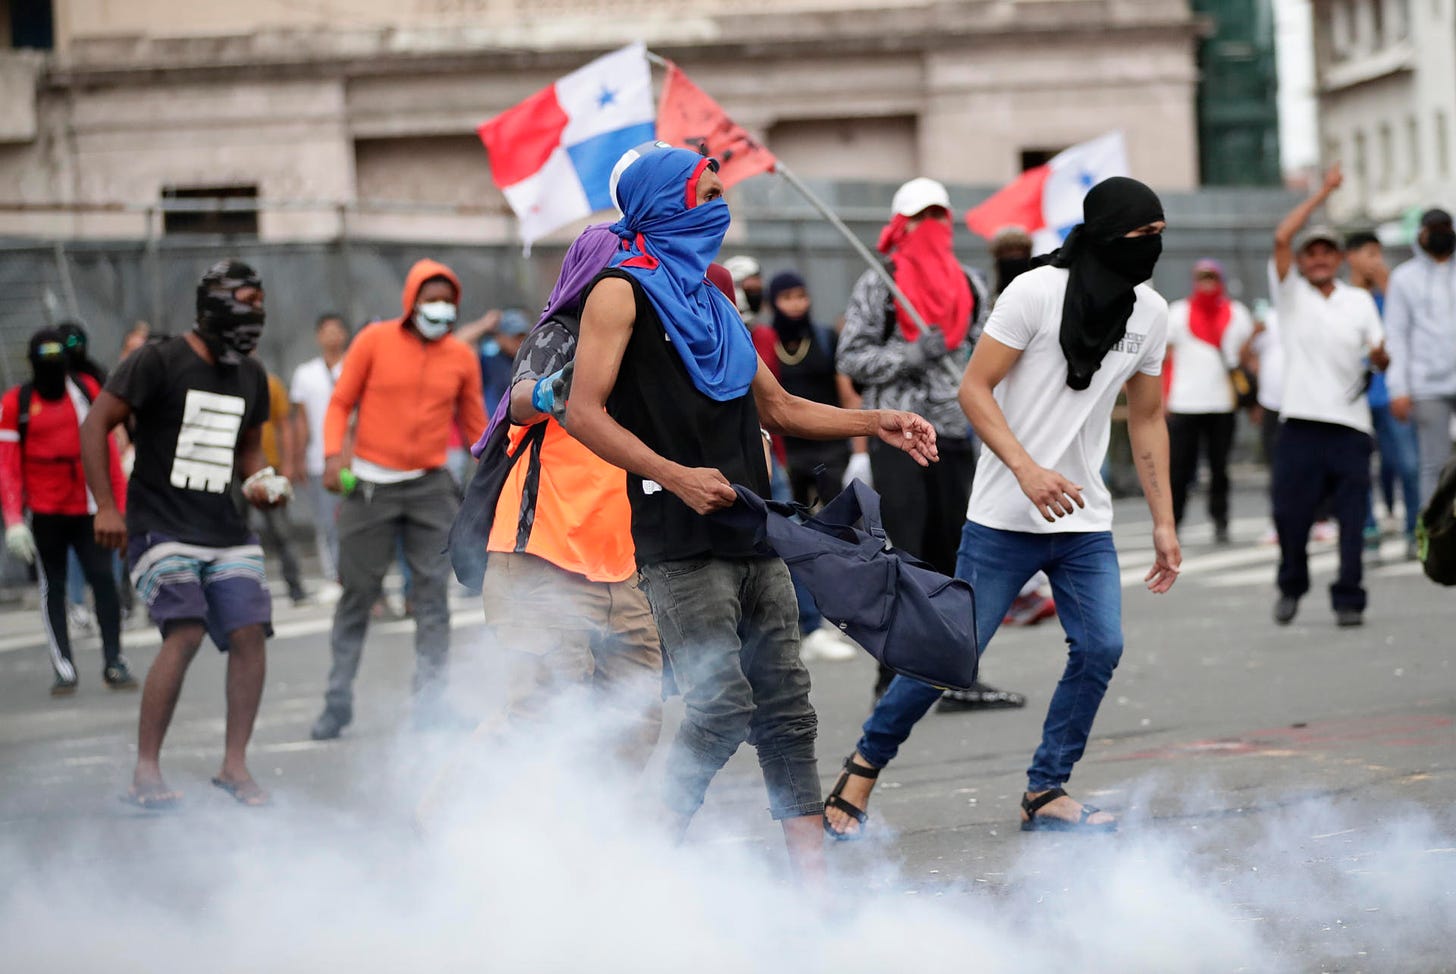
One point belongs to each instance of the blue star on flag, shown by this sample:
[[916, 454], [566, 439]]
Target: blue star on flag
[[607, 97]]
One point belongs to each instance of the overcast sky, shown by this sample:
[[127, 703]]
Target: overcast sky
[[1298, 129]]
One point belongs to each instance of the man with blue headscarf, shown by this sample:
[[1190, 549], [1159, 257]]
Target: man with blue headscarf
[[668, 387]]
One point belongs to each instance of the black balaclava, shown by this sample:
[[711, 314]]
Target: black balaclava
[[229, 327], [78, 351], [1104, 266], [48, 364], [790, 330]]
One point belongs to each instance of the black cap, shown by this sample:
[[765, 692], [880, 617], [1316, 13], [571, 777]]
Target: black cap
[[1435, 217]]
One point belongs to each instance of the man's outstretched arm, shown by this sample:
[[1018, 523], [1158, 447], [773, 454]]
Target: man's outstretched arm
[[783, 413], [606, 327]]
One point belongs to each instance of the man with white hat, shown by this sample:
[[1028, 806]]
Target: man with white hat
[[897, 366]]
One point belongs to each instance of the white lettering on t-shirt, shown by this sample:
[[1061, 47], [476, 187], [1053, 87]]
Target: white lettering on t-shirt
[[207, 441]]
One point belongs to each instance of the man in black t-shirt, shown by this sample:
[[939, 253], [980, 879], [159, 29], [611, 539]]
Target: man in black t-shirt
[[668, 387], [199, 403]]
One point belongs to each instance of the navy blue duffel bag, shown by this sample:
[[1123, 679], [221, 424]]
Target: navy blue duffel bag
[[908, 616]]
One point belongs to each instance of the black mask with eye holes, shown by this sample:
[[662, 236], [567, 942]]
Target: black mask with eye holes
[[48, 364], [230, 328]]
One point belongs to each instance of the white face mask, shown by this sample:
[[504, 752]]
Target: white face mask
[[434, 318]]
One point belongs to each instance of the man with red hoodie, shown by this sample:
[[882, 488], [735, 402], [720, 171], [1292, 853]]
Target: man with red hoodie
[[406, 381], [40, 472]]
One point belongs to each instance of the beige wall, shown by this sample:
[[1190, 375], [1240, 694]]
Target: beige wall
[[320, 120]]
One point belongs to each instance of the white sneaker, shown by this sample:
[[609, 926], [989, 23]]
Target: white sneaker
[[328, 593], [79, 618], [825, 644]]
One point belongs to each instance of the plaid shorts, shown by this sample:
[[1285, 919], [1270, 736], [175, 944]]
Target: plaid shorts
[[223, 588]]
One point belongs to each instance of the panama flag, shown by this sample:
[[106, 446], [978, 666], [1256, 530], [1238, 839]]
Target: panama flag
[[1046, 200], [552, 155]]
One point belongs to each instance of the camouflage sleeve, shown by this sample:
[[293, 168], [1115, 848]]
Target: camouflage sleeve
[[545, 350]]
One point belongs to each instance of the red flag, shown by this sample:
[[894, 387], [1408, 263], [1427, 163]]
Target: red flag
[[1016, 204], [687, 117]]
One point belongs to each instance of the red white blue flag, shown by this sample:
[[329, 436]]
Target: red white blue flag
[[552, 155], [1046, 201]]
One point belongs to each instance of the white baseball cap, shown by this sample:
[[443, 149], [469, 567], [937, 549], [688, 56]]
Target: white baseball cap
[[919, 194]]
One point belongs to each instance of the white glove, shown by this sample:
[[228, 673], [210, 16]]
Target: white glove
[[274, 485], [858, 469], [21, 543]]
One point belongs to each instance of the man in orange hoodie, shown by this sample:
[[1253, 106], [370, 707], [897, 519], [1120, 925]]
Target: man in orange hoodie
[[408, 379]]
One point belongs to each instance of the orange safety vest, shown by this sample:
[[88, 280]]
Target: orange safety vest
[[582, 522]]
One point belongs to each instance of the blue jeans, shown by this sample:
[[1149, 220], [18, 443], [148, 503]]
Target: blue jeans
[[1082, 567], [1399, 459]]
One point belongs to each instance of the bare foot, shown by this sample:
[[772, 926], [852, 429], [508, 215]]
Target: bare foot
[[1068, 809], [855, 790]]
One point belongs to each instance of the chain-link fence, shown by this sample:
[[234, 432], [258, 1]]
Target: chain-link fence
[[109, 285]]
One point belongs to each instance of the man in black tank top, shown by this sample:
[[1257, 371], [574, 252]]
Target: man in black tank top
[[669, 388]]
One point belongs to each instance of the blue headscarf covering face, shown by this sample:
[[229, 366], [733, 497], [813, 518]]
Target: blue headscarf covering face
[[669, 241]]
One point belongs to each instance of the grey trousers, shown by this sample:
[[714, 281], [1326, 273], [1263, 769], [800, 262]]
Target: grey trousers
[[273, 535], [1433, 433], [730, 629], [418, 512]]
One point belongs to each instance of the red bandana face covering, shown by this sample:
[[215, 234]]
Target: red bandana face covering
[[1208, 315], [927, 271]]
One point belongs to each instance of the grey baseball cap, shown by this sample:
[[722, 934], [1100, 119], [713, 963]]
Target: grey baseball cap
[[1318, 234]]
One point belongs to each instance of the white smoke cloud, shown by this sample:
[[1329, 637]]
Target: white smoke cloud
[[543, 857]]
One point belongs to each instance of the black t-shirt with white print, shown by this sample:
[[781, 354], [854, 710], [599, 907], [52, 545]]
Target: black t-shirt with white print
[[190, 418]]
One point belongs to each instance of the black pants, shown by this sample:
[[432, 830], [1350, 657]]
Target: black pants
[[55, 534], [923, 508], [273, 535], [1190, 434], [1318, 462], [804, 479]]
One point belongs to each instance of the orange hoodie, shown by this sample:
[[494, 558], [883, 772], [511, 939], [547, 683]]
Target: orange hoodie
[[407, 390]]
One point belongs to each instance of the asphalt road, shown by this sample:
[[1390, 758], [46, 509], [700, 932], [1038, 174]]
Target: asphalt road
[[1289, 794]]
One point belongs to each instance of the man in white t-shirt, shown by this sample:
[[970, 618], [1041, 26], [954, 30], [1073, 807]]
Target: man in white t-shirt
[[1062, 342], [310, 390], [1332, 337], [1207, 332]]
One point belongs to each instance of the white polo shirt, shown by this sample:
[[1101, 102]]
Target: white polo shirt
[[1200, 370], [1326, 341], [1061, 428]]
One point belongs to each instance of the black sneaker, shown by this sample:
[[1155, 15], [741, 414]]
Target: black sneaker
[[978, 697], [1285, 609], [118, 677], [1347, 618], [329, 725], [64, 686], [1220, 534]]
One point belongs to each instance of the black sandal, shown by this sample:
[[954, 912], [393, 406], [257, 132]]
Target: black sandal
[[851, 767], [1049, 824]]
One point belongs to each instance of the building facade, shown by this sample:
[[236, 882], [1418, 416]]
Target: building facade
[[1386, 81], [324, 120]]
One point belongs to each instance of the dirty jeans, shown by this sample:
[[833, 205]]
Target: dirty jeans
[[730, 629]]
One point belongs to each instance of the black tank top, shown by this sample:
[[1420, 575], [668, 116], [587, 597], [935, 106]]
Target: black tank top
[[656, 400]]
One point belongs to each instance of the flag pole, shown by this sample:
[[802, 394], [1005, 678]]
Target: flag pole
[[874, 262]]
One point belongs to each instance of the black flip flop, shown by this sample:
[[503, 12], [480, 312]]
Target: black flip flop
[[1035, 823], [252, 799], [851, 767]]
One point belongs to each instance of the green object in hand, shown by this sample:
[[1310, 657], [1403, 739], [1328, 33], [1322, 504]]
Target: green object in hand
[[347, 481]]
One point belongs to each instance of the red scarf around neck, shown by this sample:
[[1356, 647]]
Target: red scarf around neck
[[1208, 316], [927, 271]]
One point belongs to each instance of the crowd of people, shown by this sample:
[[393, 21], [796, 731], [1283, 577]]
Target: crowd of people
[[654, 386]]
